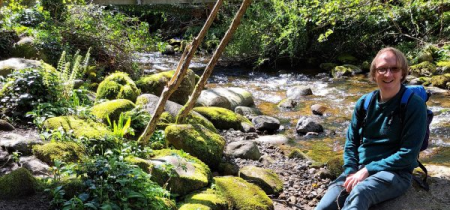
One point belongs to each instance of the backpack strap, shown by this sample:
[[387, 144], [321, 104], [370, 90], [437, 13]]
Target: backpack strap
[[367, 99]]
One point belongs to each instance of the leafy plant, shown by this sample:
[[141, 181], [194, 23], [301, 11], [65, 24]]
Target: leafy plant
[[111, 183], [121, 127], [71, 70]]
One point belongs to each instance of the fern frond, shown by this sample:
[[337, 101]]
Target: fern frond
[[62, 61]]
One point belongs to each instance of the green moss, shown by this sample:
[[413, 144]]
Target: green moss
[[86, 128], [180, 183], [440, 81], [268, 180], [223, 118], [145, 165], [321, 152], [141, 101], [425, 68], [443, 63], [16, 184], [335, 166], [243, 195], [198, 141], [297, 153], [155, 83], [208, 199], [344, 70], [118, 86], [112, 109], [63, 151]]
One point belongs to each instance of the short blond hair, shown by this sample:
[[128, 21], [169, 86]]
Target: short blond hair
[[402, 62]]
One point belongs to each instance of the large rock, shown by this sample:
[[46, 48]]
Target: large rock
[[27, 48], [155, 83], [266, 123], [306, 124], [298, 92], [236, 97], [441, 81], [197, 141], [224, 118], [80, 128], [12, 64], [118, 86], [62, 151], [247, 111], [17, 142], [206, 199], [425, 68], [5, 126], [18, 183], [243, 149], [150, 101], [112, 109], [268, 180], [416, 198], [243, 195], [36, 166], [345, 70], [273, 139], [189, 173], [318, 109]]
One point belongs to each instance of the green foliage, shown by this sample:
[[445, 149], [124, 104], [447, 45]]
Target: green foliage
[[24, 90], [111, 183], [121, 127], [71, 70]]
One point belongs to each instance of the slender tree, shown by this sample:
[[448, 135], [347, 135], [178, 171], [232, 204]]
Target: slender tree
[[210, 67]]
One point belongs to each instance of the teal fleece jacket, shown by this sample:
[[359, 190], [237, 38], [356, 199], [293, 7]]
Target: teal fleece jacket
[[388, 144]]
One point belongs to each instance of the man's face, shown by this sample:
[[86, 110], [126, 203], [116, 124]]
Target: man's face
[[388, 75]]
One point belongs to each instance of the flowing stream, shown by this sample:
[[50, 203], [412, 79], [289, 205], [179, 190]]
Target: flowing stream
[[339, 96]]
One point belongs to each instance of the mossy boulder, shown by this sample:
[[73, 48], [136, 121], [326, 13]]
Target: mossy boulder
[[242, 194], [13, 64], [335, 166], [445, 66], [208, 199], [150, 101], [425, 68], [63, 151], [80, 127], [27, 48], [183, 172], [345, 70], [198, 141], [297, 153], [17, 184], [118, 86], [154, 84], [425, 56], [145, 165], [223, 118], [112, 109], [268, 180], [441, 81]]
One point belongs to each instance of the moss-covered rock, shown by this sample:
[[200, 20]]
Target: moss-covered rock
[[441, 81], [345, 70], [27, 47], [205, 200], [155, 83], [223, 118], [150, 101], [183, 172], [425, 68], [445, 65], [17, 184], [13, 64], [145, 165], [118, 86], [197, 141], [243, 195], [86, 128], [335, 166], [268, 180], [112, 109], [63, 151], [297, 153]]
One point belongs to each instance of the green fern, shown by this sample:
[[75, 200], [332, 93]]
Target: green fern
[[70, 71]]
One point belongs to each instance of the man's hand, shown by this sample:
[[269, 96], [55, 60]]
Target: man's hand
[[353, 179]]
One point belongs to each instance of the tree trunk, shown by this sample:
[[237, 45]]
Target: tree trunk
[[210, 67], [180, 72]]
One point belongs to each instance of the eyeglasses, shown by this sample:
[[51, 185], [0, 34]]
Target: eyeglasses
[[384, 70]]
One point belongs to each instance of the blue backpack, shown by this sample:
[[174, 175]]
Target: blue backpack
[[408, 92]]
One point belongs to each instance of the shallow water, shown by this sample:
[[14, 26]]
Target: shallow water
[[269, 88]]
